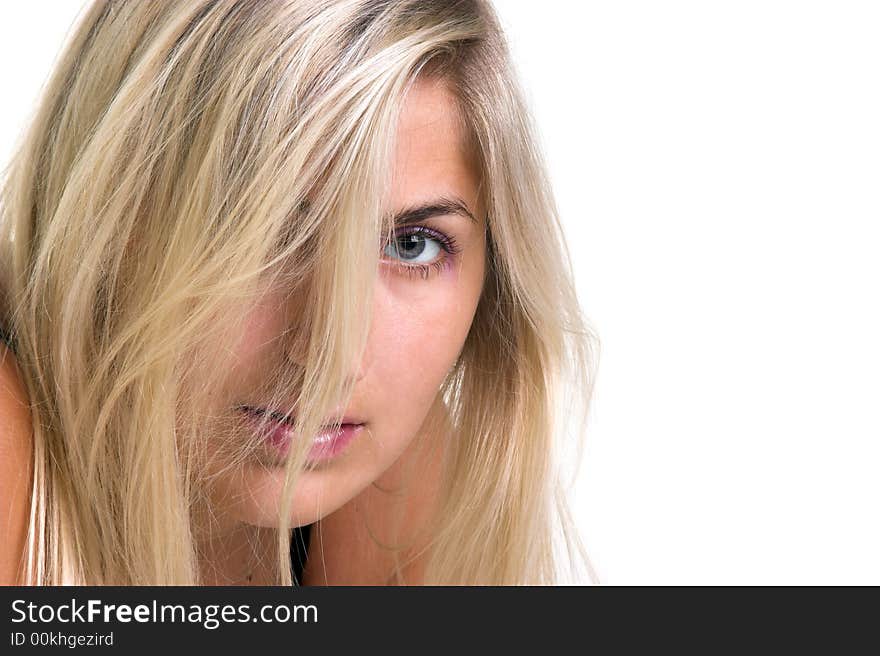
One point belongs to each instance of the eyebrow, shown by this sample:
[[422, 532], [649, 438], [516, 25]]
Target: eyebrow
[[440, 206], [435, 207]]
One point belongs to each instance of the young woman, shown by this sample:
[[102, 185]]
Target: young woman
[[288, 302]]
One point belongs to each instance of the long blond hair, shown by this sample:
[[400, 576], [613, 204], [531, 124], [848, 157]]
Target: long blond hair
[[185, 158]]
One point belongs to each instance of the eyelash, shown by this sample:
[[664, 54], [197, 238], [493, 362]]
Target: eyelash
[[447, 243]]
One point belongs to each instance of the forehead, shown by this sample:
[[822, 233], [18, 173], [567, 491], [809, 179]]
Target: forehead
[[429, 105], [430, 155]]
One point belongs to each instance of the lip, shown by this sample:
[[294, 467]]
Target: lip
[[284, 418], [325, 445]]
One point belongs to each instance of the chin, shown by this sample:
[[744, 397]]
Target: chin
[[318, 493]]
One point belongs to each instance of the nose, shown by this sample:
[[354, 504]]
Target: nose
[[298, 344], [300, 319]]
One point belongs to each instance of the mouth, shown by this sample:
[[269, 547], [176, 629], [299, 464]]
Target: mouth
[[277, 428]]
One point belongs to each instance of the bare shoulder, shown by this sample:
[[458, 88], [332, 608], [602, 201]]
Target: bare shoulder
[[16, 456]]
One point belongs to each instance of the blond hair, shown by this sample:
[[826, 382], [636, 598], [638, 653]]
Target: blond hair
[[185, 158]]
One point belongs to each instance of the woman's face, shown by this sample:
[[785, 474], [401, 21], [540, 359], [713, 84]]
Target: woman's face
[[420, 319]]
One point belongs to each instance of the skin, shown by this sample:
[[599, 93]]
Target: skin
[[415, 320], [16, 456], [355, 499]]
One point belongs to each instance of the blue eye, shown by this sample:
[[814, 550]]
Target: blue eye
[[420, 250], [413, 248]]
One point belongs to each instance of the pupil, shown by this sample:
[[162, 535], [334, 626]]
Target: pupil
[[411, 245]]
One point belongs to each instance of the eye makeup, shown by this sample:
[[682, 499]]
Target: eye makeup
[[448, 247]]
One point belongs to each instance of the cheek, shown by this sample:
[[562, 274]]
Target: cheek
[[420, 328], [262, 325]]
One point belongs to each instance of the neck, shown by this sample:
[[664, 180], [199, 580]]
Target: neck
[[383, 535], [242, 556]]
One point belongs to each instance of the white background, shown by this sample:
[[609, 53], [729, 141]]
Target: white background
[[717, 165]]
